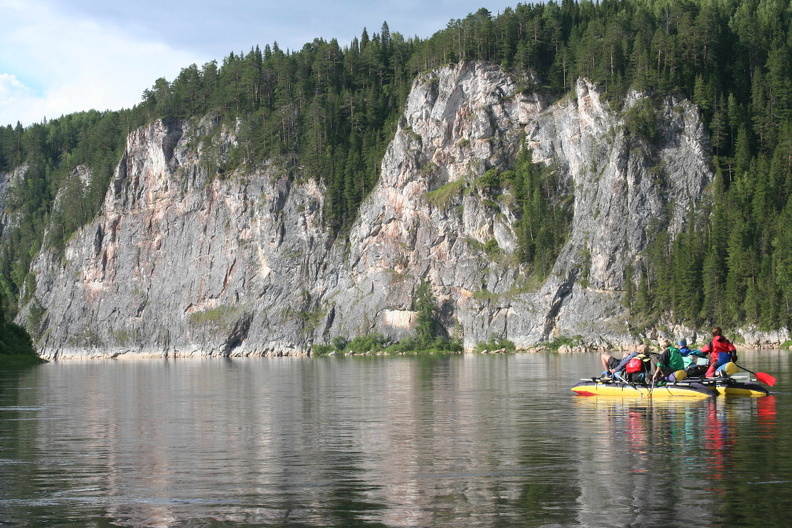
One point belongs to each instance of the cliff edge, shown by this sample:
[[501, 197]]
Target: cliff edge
[[182, 262]]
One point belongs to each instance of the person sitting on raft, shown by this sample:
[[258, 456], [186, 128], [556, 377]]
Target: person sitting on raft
[[613, 365], [694, 366], [721, 351], [669, 362]]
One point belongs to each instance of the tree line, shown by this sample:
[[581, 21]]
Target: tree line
[[330, 111]]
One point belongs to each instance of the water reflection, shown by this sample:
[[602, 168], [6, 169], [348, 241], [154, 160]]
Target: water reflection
[[446, 441], [671, 462]]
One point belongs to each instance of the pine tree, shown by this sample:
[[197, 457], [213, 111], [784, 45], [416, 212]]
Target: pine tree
[[426, 325]]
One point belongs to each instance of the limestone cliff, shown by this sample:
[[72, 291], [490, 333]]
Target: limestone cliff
[[7, 181], [183, 262]]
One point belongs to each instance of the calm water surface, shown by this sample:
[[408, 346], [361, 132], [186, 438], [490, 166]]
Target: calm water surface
[[382, 441]]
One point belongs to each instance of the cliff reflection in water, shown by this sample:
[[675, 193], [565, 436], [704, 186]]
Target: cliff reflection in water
[[443, 441]]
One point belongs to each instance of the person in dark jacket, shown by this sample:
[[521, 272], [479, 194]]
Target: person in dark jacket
[[693, 359]]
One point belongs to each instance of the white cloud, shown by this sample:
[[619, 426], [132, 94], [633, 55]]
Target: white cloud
[[52, 63], [11, 90]]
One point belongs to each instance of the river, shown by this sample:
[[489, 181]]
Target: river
[[452, 441]]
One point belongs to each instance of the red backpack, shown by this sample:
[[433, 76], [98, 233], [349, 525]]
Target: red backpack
[[634, 365]]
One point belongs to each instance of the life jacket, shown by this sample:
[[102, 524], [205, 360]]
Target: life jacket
[[720, 346]]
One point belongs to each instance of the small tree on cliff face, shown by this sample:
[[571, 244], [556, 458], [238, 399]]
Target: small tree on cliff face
[[430, 336], [424, 303]]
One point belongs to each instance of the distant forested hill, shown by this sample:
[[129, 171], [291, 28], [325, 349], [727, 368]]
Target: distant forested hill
[[328, 112]]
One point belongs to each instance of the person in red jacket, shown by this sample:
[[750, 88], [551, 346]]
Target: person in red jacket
[[720, 350]]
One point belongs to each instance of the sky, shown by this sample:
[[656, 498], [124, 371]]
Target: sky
[[63, 56]]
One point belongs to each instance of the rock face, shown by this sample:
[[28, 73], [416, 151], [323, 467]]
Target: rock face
[[7, 181], [182, 262]]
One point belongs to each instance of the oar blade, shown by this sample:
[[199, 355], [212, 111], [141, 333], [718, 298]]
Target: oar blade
[[765, 378]]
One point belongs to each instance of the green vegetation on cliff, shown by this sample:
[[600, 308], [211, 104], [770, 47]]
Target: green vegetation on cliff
[[331, 110], [16, 348], [430, 336]]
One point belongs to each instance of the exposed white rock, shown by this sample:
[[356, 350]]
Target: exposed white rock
[[183, 264]]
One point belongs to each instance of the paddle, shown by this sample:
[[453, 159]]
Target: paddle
[[765, 378], [651, 389]]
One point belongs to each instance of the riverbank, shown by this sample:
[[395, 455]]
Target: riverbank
[[744, 340], [9, 361]]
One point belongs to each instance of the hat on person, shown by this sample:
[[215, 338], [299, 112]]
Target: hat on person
[[682, 342]]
